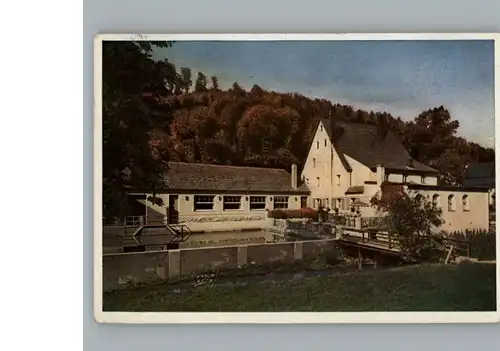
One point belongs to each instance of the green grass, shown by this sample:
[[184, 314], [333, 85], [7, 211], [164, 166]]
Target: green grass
[[464, 287]]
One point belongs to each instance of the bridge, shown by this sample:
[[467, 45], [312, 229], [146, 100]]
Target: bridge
[[381, 247]]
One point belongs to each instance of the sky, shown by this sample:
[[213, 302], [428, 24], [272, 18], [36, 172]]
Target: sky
[[403, 78]]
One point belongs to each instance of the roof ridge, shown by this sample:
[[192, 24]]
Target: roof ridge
[[228, 166]]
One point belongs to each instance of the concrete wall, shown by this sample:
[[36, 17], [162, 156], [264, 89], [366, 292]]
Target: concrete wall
[[154, 266], [459, 218]]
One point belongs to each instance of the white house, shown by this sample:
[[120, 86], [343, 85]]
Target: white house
[[348, 162]]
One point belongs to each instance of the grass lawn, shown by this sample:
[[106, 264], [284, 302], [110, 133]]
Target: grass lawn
[[464, 287]]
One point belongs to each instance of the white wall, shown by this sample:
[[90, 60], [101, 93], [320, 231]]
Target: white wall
[[319, 165], [459, 219]]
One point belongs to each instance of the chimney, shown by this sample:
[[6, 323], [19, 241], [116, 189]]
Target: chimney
[[380, 174], [294, 176]]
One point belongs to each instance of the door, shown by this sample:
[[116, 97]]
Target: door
[[303, 201], [172, 210]]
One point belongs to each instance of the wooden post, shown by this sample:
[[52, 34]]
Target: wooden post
[[360, 259], [449, 254]]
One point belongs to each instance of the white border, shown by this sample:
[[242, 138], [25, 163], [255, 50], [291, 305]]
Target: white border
[[269, 318]]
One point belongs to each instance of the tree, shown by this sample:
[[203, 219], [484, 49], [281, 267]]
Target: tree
[[412, 219], [201, 83], [215, 83], [429, 139], [132, 84], [186, 78]]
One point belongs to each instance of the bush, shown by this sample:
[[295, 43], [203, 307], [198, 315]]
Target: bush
[[482, 243], [289, 214]]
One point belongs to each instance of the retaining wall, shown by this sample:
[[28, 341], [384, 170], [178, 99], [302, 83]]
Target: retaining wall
[[143, 267]]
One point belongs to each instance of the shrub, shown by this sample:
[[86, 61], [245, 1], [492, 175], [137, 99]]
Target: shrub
[[412, 220], [289, 214], [482, 243]]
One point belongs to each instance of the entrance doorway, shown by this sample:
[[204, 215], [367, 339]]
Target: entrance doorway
[[303, 201], [173, 209]]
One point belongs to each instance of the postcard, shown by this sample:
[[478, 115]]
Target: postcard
[[295, 178]]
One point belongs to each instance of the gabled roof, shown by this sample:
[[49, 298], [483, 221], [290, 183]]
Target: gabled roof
[[372, 145], [480, 174], [226, 179]]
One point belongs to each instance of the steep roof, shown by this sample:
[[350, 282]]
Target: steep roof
[[480, 174], [372, 145], [222, 178]]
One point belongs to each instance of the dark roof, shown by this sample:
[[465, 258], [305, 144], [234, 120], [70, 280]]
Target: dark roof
[[357, 189], [222, 178], [372, 145], [480, 174]]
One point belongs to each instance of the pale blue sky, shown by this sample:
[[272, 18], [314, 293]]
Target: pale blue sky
[[400, 77]]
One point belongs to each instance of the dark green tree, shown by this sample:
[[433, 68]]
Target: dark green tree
[[215, 83], [132, 84], [201, 83], [186, 77]]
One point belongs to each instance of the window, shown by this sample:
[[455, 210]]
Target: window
[[317, 145], [325, 142], [339, 203], [423, 179], [257, 202], [419, 198], [451, 203], [405, 178], [338, 179], [281, 202], [314, 162], [231, 203], [325, 203], [435, 200], [307, 181], [317, 178], [204, 202], [465, 203], [321, 128]]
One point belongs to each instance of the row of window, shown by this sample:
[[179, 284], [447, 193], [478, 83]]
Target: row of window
[[317, 144], [206, 202], [405, 178], [452, 207], [318, 182], [345, 203]]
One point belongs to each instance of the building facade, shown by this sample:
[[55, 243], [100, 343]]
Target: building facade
[[347, 164], [208, 198]]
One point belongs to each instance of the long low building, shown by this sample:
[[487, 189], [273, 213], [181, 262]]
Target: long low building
[[208, 197]]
